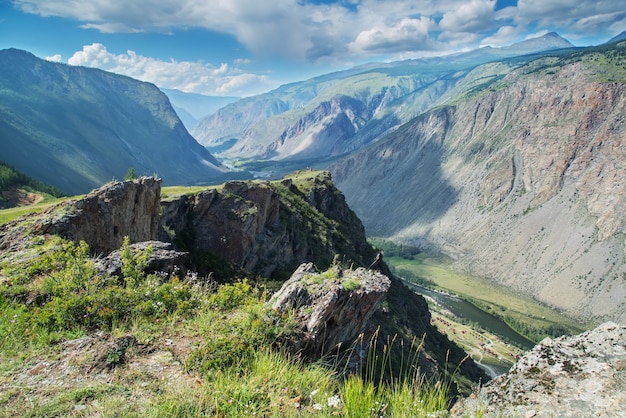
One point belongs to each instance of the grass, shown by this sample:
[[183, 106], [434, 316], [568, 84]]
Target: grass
[[170, 192], [7, 215], [523, 314], [201, 349]]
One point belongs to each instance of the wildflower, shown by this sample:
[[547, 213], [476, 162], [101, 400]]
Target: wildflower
[[334, 401], [317, 406], [313, 393]]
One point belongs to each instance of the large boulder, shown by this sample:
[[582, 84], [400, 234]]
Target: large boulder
[[333, 308], [579, 376]]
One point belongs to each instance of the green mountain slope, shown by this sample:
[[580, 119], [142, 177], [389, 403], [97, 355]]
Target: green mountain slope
[[77, 128], [18, 189]]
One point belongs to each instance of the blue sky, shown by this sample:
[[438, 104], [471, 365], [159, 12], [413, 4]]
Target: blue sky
[[245, 47]]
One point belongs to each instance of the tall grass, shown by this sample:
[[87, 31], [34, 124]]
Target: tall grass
[[384, 389], [240, 366]]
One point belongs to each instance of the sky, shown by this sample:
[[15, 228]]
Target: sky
[[246, 47]]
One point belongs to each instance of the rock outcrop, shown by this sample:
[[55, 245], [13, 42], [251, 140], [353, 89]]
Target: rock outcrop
[[268, 228], [163, 258], [333, 308], [106, 215], [102, 218], [579, 376]]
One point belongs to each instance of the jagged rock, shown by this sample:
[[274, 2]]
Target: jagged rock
[[106, 215], [163, 258], [579, 376], [332, 309], [268, 228]]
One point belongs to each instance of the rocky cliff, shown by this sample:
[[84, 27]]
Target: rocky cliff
[[269, 227], [522, 183], [102, 218]]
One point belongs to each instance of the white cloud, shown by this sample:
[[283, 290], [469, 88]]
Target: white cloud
[[570, 13], [54, 58], [407, 34], [506, 35], [342, 30], [187, 76], [475, 16]]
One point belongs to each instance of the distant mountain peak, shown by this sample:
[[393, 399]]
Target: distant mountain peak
[[550, 40]]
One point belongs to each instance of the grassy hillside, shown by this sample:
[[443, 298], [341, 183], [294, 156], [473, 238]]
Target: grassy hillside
[[73, 343], [18, 189]]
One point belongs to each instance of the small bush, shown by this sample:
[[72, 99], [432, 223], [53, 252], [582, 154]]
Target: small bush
[[232, 295]]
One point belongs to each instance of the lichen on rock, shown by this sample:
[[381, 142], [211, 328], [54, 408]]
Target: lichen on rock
[[578, 376]]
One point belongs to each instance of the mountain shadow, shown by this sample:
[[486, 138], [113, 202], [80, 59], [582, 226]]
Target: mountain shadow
[[380, 180]]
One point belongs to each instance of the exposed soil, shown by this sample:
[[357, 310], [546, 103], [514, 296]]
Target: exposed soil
[[21, 197]]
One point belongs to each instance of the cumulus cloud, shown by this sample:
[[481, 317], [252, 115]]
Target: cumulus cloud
[[187, 76], [54, 58], [570, 13], [505, 35], [294, 29], [475, 16], [344, 29], [407, 34]]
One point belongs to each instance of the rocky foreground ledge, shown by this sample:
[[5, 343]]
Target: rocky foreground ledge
[[579, 376], [332, 309]]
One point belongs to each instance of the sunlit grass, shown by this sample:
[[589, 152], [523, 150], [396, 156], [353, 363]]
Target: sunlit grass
[[489, 296], [235, 365]]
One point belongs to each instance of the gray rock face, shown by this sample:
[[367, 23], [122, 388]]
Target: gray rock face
[[106, 215], [163, 258], [579, 376], [269, 227], [332, 309], [524, 186]]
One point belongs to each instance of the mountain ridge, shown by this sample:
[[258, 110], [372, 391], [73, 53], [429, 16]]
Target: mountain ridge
[[284, 124], [521, 182], [88, 126]]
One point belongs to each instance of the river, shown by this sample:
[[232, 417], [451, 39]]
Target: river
[[464, 309]]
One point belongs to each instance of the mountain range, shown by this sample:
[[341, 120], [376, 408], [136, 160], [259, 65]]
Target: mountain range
[[337, 113], [192, 107], [510, 161], [77, 128], [522, 180]]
